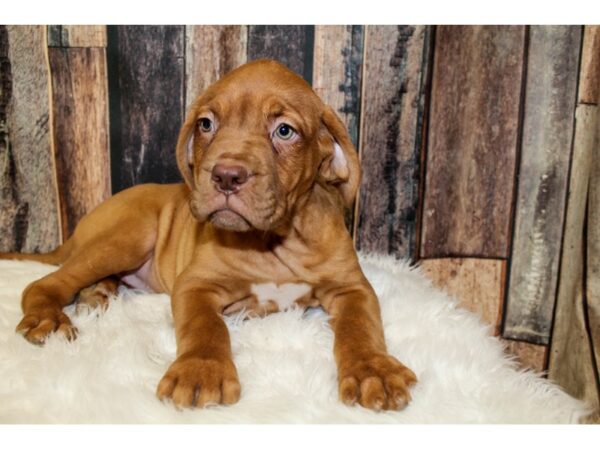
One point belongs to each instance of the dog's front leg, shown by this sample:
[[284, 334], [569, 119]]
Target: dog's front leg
[[203, 373], [366, 372]]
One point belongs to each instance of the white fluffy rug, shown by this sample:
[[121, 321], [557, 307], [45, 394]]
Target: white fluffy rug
[[285, 363]]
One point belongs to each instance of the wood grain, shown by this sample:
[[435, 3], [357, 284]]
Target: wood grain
[[291, 45], [473, 134], [571, 362], [211, 52], [589, 84], [80, 102], [478, 284], [593, 240], [528, 356], [337, 64], [29, 216], [146, 85], [77, 35], [550, 98], [394, 74]]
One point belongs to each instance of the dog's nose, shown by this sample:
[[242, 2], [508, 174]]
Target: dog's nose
[[228, 179]]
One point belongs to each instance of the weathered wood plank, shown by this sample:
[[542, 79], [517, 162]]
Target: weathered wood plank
[[337, 65], [593, 244], [478, 284], [29, 211], [551, 94], [211, 52], [394, 74], [589, 84], [77, 35], [529, 356], [146, 85], [473, 134], [291, 45], [571, 361], [80, 102]]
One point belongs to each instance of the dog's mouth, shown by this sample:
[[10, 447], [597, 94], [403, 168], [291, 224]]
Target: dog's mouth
[[228, 219]]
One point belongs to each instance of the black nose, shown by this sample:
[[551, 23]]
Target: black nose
[[228, 179]]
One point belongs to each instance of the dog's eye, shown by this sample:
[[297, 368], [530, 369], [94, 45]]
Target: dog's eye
[[205, 125], [285, 132]]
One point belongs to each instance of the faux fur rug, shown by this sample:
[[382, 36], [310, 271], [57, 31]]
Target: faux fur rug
[[285, 363]]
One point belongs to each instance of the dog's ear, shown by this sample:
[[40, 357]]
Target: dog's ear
[[340, 166], [185, 149]]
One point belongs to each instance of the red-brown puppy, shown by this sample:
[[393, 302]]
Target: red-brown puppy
[[258, 224]]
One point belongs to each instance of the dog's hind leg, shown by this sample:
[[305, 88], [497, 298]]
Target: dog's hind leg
[[96, 295]]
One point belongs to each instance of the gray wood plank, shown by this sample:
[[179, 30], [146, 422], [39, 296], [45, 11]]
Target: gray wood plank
[[551, 94], [394, 74], [29, 210]]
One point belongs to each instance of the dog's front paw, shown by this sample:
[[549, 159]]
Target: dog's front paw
[[39, 323], [195, 381], [377, 382]]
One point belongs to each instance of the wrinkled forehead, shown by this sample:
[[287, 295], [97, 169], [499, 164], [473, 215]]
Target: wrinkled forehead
[[261, 92]]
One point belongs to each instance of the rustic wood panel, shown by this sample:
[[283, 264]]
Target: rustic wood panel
[[291, 45], [337, 64], [394, 75], [589, 85], [593, 242], [473, 134], [478, 284], [529, 356], [211, 52], [571, 362], [146, 85], [29, 216], [551, 93], [80, 102], [77, 35]]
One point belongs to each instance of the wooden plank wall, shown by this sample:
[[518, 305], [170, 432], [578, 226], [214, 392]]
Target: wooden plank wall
[[479, 147]]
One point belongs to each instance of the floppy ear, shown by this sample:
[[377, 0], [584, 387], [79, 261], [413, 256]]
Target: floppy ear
[[340, 166], [185, 149]]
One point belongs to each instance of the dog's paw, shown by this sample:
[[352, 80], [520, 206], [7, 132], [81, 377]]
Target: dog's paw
[[194, 381], [378, 382], [39, 323]]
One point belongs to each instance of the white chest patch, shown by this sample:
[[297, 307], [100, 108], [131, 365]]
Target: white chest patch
[[284, 294]]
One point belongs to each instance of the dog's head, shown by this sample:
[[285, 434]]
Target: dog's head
[[257, 141]]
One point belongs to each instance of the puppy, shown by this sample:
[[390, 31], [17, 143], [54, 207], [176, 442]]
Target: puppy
[[257, 225]]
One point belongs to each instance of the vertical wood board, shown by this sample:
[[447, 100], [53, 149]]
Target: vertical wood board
[[551, 91], [80, 101], [472, 145], [291, 45], [29, 216], [211, 52], [394, 75], [146, 85], [589, 84], [528, 356], [478, 284]]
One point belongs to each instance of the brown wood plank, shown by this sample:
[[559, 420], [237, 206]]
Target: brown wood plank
[[551, 93], [478, 284], [473, 134], [211, 52], [529, 356], [394, 74], [80, 101], [29, 211], [77, 35], [291, 45], [589, 84], [337, 65], [571, 362], [146, 85]]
